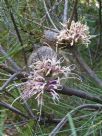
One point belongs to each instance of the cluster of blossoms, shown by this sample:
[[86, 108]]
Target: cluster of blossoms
[[77, 34], [45, 76]]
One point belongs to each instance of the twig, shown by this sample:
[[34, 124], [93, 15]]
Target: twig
[[49, 15], [13, 109], [29, 110], [8, 81], [100, 21], [25, 103], [7, 69], [65, 119], [65, 14], [53, 8], [27, 107], [76, 14], [13, 63], [88, 70], [45, 119], [9, 94], [17, 31], [72, 13], [79, 93], [22, 76], [42, 26], [100, 31]]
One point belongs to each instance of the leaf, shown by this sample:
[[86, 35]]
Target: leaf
[[71, 123]]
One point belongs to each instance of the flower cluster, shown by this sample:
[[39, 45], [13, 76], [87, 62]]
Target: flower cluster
[[77, 34], [44, 77]]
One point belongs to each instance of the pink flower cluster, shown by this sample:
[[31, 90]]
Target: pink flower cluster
[[44, 77], [77, 34]]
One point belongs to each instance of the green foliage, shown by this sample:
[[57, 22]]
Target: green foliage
[[27, 13], [72, 125], [2, 119]]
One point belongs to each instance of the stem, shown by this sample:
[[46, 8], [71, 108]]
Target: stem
[[49, 15], [100, 21], [17, 31], [22, 76], [50, 10], [12, 62], [79, 93], [88, 70], [8, 81], [13, 109], [65, 14], [72, 14]]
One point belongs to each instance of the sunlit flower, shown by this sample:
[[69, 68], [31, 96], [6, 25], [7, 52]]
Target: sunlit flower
[[49, 68], [77, 34], [45, 77]]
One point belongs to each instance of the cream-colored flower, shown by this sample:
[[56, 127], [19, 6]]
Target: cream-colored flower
[[77, 34]]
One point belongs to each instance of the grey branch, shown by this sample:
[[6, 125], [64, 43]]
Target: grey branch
[[22, 75], [13, 109], [79, 93], [88, 70], [12, 62], [65, 14], [72, 13], [49, 15], [8, 81], [7, 69], [56, 4]]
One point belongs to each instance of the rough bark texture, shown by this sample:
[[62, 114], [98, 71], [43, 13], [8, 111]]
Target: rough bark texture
[[40, 53]]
